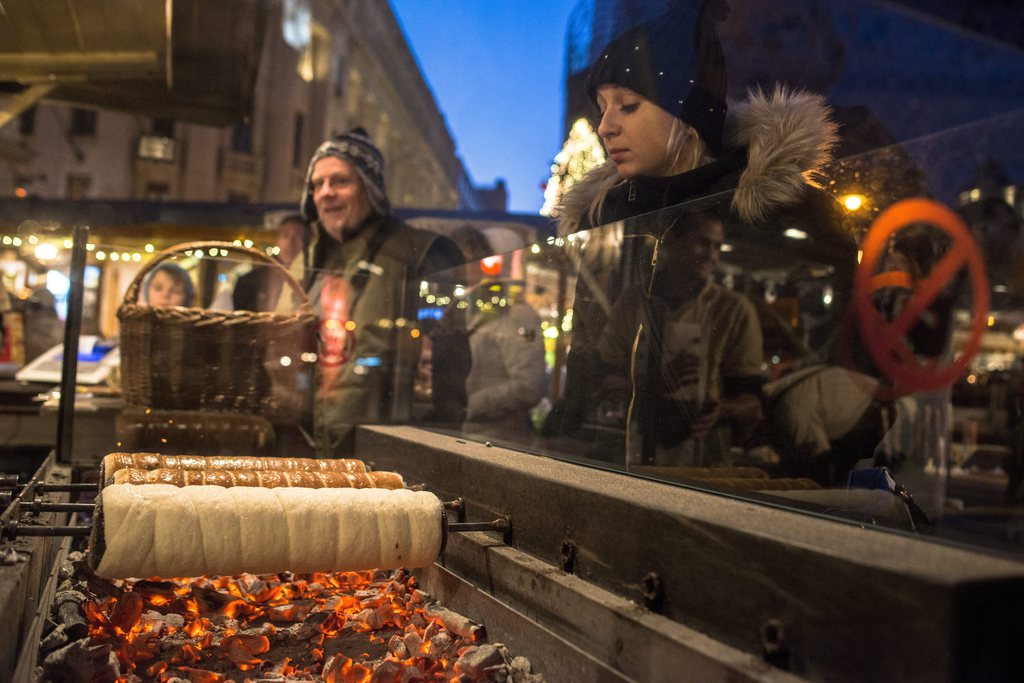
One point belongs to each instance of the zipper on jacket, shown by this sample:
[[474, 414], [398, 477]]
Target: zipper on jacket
[[632, 191], [632, 360], [632, 394]]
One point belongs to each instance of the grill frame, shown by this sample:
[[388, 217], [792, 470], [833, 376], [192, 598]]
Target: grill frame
[[815, 595], [27, 588]]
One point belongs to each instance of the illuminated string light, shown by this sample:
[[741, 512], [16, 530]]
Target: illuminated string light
[[46, 252], [853, 202], [581, 152]]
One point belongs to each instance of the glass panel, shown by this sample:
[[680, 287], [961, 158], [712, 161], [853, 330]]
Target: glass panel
[[856, 353], [784, 359]]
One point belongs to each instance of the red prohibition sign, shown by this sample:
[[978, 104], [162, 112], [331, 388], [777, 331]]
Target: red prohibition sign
[[887, 342]]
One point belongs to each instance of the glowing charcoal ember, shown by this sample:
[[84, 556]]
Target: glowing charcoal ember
[[344, 670], [412, 638], [127, 612], [290, 613], [243, 649]]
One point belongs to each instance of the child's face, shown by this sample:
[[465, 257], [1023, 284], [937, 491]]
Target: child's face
[[165, 290]]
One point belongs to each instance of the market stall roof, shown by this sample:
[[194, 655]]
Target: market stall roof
[[191, 60]]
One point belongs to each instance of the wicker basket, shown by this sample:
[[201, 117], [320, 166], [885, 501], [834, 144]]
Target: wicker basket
[[199, 359]]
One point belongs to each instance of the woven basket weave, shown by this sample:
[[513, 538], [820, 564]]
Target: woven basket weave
[[192, 358]]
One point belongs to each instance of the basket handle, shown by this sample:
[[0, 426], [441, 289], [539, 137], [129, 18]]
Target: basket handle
[[131, 295]]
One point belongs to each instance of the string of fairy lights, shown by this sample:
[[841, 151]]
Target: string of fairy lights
[[47, 250]]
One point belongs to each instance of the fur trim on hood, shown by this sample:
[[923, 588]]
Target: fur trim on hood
[[789, 136]]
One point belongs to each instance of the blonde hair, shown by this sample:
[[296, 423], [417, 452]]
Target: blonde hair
[[684, 148]]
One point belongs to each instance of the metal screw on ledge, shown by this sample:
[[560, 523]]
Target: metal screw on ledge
[[568, 556], [774, 648], [654, 593]]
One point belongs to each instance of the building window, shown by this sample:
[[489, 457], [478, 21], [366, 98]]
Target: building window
[[241, 138], [27, 122], [83, 122], [163, 127], [156, 191], [315, 57], [297, 155], [78, 185], [157, 148]]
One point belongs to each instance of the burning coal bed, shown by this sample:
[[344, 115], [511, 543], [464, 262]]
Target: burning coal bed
[[374, 627]]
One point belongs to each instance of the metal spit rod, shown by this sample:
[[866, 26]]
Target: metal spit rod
[[12, 529], [35, 506], [500, 524], [25, 501], [65, 488], [7, 485]]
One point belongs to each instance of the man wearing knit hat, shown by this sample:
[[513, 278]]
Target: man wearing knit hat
[[361, 269]]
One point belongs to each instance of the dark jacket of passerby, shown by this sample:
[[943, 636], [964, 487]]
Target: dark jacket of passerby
[[365, 287]]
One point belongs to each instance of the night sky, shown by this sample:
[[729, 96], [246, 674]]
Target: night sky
[[496, 70]]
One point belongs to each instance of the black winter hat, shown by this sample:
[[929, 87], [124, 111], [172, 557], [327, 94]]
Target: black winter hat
[[357, 148], [676, 61]]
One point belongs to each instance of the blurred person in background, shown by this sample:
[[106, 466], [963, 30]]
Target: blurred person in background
[[260, 288], [168, 285], [362, 268], [43, 327], [695, 370], [508, 375]]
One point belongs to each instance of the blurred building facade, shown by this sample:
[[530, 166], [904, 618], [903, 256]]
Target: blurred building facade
[[326, 66]]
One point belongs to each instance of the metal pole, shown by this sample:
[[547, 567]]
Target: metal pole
[[72, 328]]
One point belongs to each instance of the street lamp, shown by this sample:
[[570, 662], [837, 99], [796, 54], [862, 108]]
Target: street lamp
[[853, 202]]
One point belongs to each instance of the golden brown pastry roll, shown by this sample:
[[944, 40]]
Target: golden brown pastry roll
[[262, 478], [150, 461]]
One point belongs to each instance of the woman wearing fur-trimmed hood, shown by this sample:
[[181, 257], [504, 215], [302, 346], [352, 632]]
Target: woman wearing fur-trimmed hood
[[671, 136], [672, 139]]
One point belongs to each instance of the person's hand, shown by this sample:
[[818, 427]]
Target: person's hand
[[683, 370], [705, 419]]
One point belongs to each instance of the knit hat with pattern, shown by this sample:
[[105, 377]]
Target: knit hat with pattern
[[355, 147], [676, 61]]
